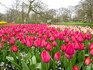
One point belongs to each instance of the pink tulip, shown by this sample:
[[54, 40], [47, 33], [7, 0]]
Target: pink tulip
[[70, 49], [48, 47], [76, 46], [57, 56], [43, 44], [80, 38], [63, 48], [45, 56], [68, 56], [12, 40], [54, 43], [29, 41], [66, 39]]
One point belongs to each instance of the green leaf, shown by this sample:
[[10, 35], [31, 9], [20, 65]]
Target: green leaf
[[9, 58], [16, 65], [24, 66], [34, 59], [80, 65], [88, 68], [38, 65]]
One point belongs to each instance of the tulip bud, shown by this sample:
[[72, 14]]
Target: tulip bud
[[87, 61]]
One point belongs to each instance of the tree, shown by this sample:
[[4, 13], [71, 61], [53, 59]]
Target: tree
[[85, 10]]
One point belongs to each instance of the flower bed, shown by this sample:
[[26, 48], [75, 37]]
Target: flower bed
[[40, 47]]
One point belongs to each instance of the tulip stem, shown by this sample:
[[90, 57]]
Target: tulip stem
[[69, 65], [91, 64]]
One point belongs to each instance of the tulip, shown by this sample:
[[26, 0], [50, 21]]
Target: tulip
[[76, 46], [68, 56], [66, 39], [43, 44], [87, 61], [91, 52], [12, 40], [52, 38], [54, 43], [48, 47], [29, 41], [82, 47], [87, 36], [75, 68], [80, 38], [23, 41], [45, 56], [14, 48], [63, 48], [91, 46], [60, 36], [70, 49], [57, 56], [4, 38]]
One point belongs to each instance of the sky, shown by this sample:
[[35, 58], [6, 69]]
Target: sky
[[52, 4]]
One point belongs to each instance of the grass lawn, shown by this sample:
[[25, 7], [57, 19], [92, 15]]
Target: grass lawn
[[76, 23]]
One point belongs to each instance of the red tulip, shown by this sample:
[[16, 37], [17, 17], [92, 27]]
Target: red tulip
[[87, 61], [14, 48], [4, 38], [75, 68], [45, 56], [87, 36], [82, 47], [91, 46], [91, 52], [57, 56]]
